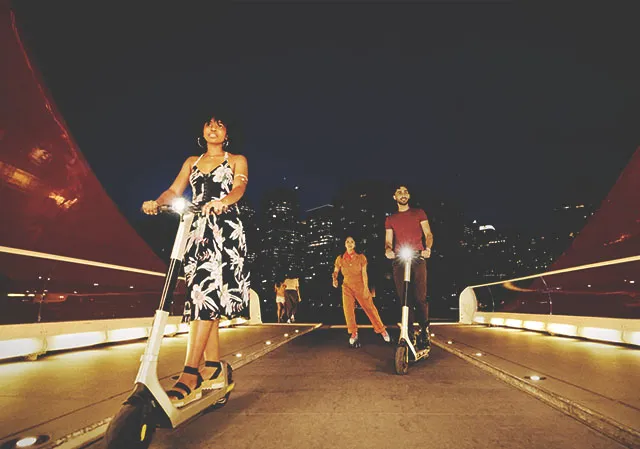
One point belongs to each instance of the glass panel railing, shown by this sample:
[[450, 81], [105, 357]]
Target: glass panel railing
[[608, 289], [524, 296], [37, 289]]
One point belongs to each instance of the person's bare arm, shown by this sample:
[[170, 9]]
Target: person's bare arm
[[298, 290], [428, 236], [175, 190], [388, 244], [240, 180]]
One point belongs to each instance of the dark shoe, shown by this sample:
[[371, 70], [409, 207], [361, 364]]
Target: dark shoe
[[415, 337], [181, 395], [424, 339]]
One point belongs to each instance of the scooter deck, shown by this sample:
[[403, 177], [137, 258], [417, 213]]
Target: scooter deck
[[422, 354], [218, 391], [210, 398]]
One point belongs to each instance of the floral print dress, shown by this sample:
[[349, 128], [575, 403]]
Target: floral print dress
[[214, 261]]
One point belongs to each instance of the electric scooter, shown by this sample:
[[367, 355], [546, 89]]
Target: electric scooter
[[148, 406], [406, 351]]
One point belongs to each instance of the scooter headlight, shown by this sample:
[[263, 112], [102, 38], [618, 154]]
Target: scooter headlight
[[406, 254], [179, 205]]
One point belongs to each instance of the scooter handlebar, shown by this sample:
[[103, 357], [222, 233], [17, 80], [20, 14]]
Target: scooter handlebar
[[181, 209]]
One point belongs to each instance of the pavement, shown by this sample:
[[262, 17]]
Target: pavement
[[312, 391]]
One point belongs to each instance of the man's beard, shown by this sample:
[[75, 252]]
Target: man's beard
[[402, 201]]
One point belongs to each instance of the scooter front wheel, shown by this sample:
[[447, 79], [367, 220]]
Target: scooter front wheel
[[132, 427], [402, 359]]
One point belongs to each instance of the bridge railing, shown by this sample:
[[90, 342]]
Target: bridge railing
[[51, 302], [599, 301]]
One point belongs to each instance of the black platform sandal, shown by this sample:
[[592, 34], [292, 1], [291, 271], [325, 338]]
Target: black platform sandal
[[217, 379], [184, 395]]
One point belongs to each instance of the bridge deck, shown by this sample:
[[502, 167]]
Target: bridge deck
[[312, 392], [600, 377]]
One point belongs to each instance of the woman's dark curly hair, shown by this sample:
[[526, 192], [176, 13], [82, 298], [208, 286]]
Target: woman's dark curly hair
[[227, 117]]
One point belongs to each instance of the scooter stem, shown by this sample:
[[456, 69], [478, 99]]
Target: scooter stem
[[404, 325], [407, 271], [148, 371], [177, 253]]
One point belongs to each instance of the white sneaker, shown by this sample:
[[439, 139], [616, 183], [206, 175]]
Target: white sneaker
[[386, 337], [353, 338], [293, 319]]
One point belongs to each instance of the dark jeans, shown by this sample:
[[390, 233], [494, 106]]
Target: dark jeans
[[291, 301], [417, 290]]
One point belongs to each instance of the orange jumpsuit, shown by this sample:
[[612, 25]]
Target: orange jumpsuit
[[353, 289]]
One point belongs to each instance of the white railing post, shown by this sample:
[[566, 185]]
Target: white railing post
[[468, 305]]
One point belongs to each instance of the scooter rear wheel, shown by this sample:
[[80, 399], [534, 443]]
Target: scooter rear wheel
[[402, 359], [222, 401], [132, 427]]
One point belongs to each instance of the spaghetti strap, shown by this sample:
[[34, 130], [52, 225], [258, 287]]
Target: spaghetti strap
[[198, 160], [226, 156]]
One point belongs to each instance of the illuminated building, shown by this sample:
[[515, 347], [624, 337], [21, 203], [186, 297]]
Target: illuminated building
[[280, 232]]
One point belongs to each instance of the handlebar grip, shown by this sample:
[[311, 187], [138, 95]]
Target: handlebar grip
[[165, 208]]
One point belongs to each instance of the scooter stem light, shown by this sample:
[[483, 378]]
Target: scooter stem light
[[179, 205], [406, 254]]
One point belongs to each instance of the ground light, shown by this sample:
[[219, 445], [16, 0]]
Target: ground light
[[535, 377], [26, 442]]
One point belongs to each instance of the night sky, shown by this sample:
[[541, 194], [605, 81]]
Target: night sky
[[507, 111]]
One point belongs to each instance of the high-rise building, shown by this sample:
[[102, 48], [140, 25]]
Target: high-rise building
[[490, 254], [248, 217], [321, 244], [280, 252], [321, 248]]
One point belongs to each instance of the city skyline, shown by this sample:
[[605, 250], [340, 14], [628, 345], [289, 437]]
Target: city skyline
[[284, 241]]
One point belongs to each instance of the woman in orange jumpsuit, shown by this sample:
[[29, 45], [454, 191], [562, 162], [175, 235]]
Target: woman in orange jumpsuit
[[355, 287]]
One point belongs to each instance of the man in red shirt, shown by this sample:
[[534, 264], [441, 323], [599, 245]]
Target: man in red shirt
[[406, 228]]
